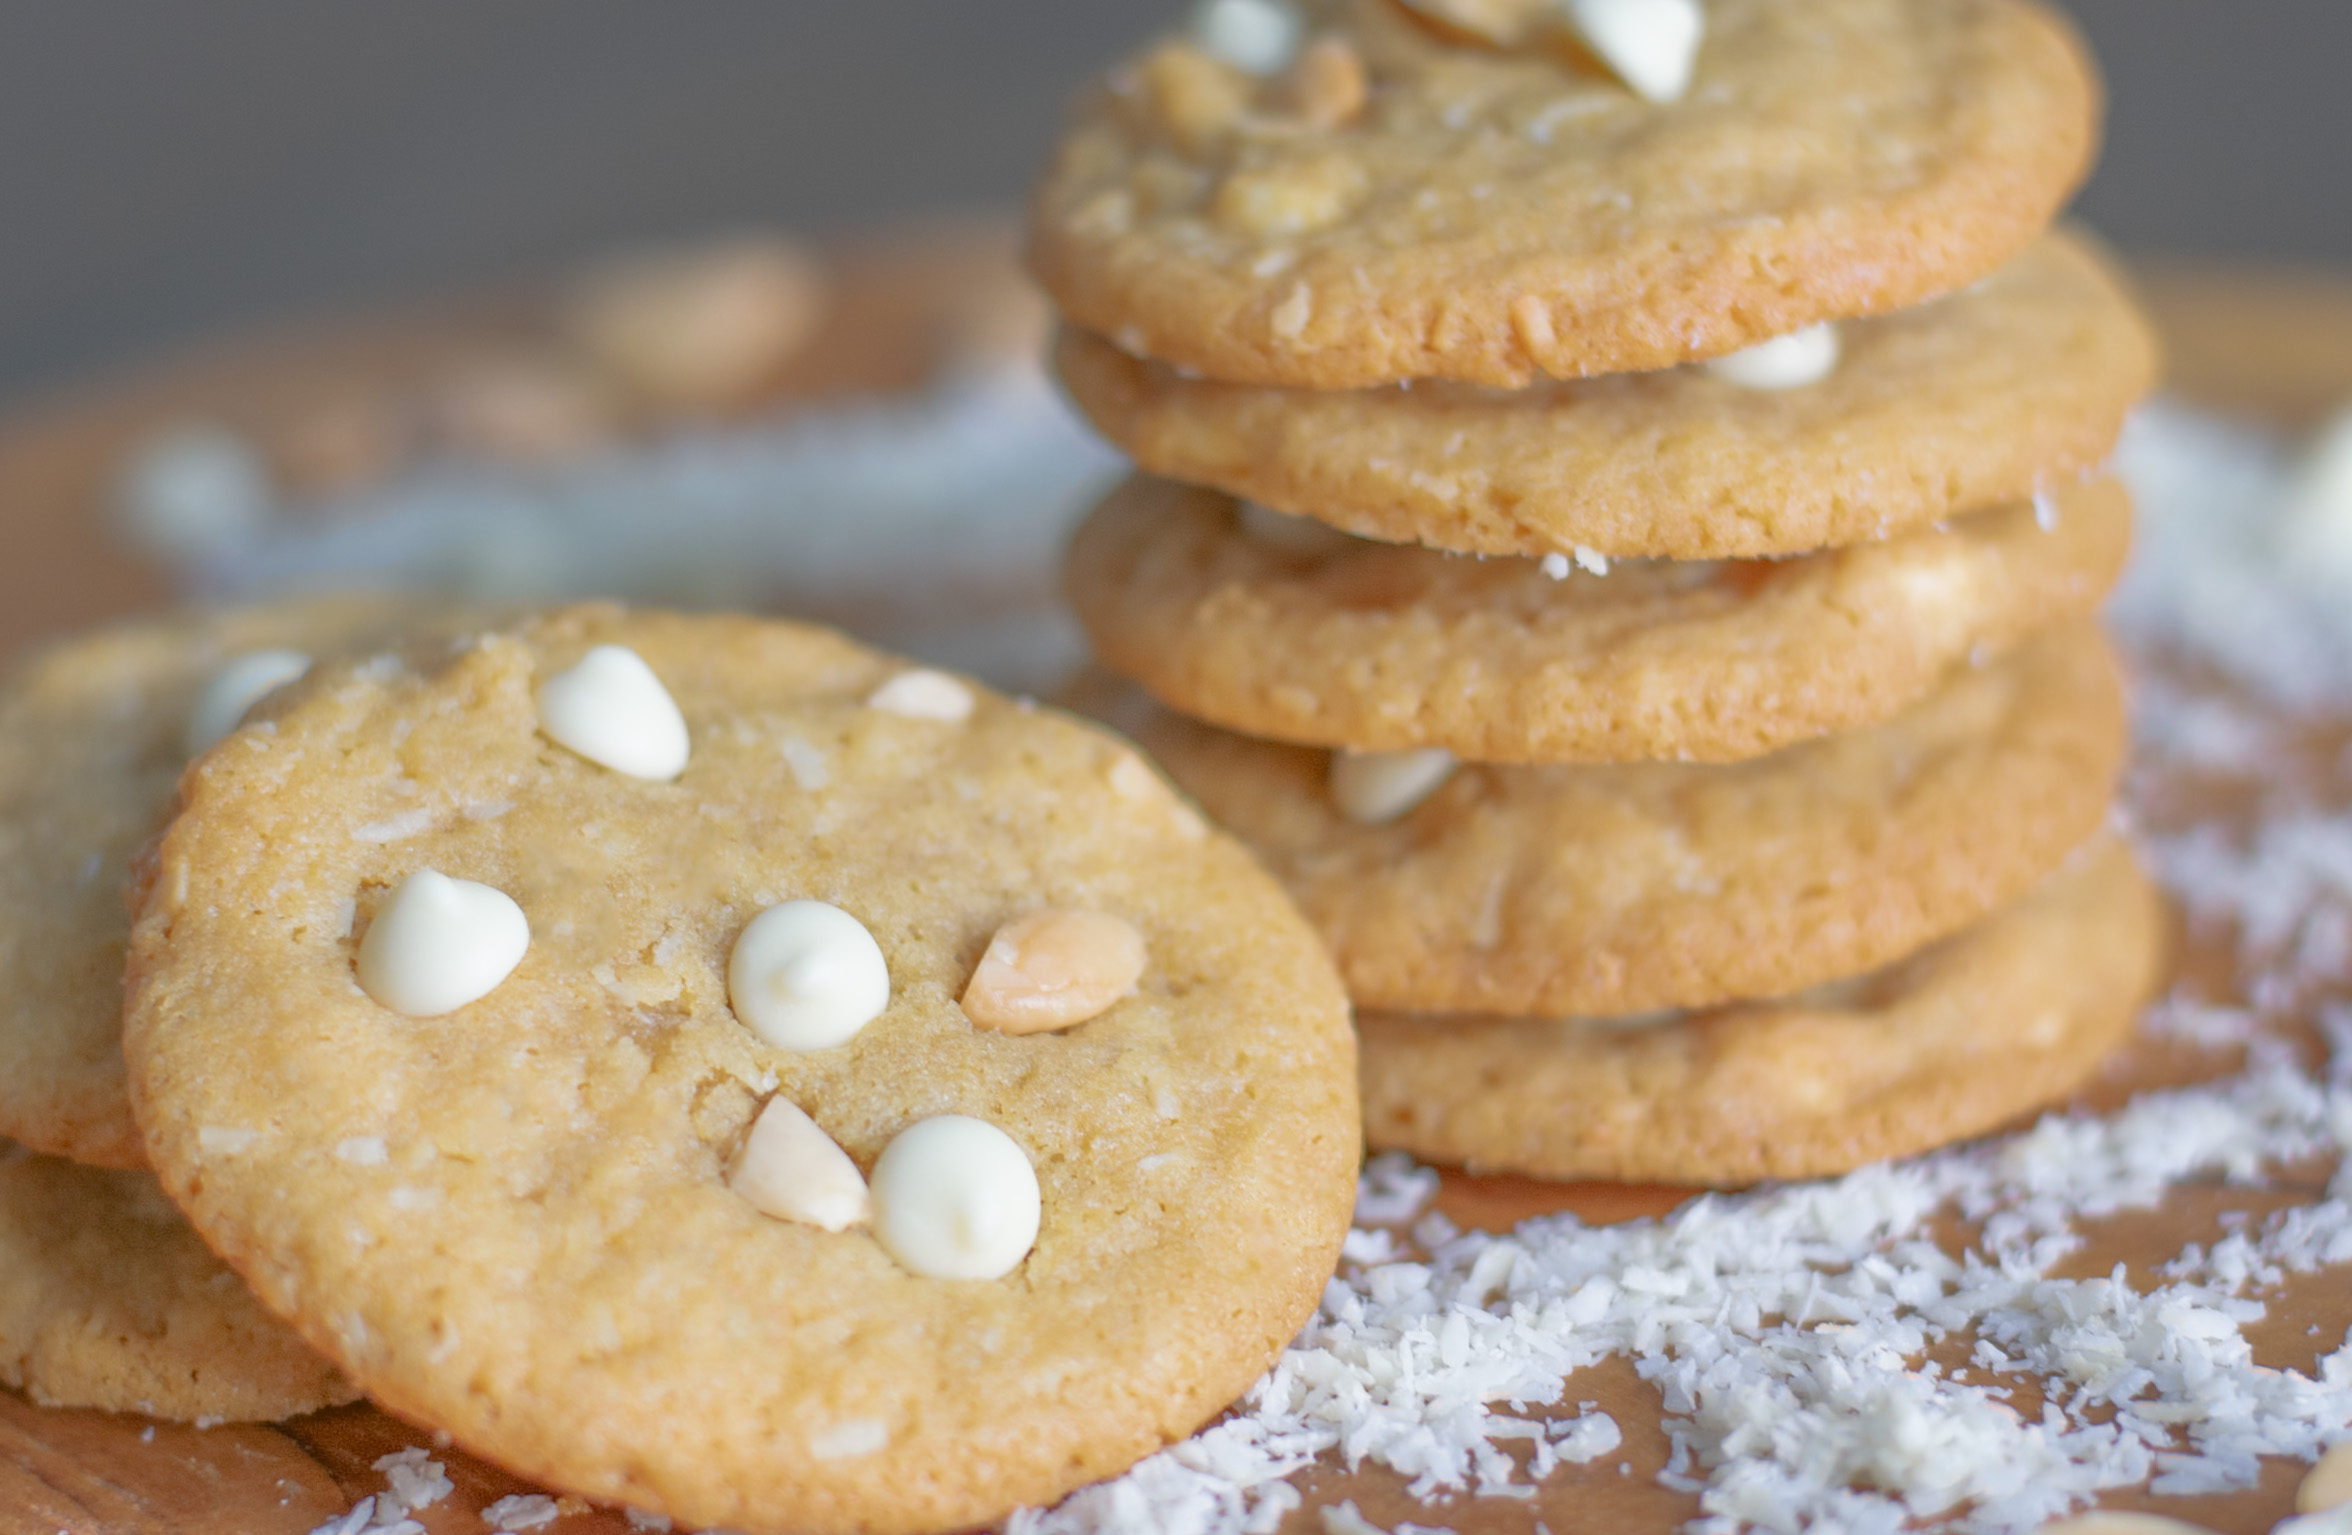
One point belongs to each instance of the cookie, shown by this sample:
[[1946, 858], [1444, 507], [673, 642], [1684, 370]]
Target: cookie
[[1962, 403], [108, 1300], [521, 1221], [2004, 1018], [1305, 635], [1597, 891], [1401, 202], [93, 734]]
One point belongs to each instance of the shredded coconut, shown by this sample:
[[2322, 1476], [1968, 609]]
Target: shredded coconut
[[521, 1511], [1785, 1328]]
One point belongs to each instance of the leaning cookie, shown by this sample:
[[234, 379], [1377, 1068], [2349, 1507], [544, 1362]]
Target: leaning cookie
[[2017, 384], [1341, 193], [1276, 626], [706, 1065], [1594, 891], [93, 734], [2008, 1016], [108, 1300]]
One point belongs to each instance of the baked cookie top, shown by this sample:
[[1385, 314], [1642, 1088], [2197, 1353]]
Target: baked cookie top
[[824, 902], [1597, 891], [93, 734], [1277, 626], [2004, 1018], [1403, 198], [1965, 402], [108, 1300]]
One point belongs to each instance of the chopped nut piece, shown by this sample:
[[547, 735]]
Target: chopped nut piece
[[1327, 86], [1372, 787], [791, 1169], [1290, 197], [1053, 969], [702, 328], [1194, 98]]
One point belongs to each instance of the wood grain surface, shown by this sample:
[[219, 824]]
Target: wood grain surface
[[2270, 345]]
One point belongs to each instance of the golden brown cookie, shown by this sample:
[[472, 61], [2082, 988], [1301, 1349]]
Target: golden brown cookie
[[2001, 1019], [1597, 891], [1337, 641], [2018, 383], [516, 1220], [108, 1300], [1494, 213], [93, 734]]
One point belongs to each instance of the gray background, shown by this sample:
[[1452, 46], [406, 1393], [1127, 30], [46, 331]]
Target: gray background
[[171, 170]]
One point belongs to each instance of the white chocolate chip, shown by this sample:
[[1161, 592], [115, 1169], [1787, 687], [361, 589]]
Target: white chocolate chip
[[2109, 1522], [1259, 36], [1785, 362], [612, 709], [363, 1151], [439, 943], [924, 695], [1294, 535], [1556, 566], [791, 1169], [1052, 970], [2329, 1484], [239, 684], [955, 1198], [193, 491], [1372, 787], [807, 976], [1651, 44]]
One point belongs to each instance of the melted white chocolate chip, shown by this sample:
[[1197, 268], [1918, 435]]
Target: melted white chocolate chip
[[1785, 362], [1372, 787], [439, 943], [923, 694], [1651, 44], [807, 976], [239, 684], [791, 1169], [955, 1198], [1260, 37], [612, 709]]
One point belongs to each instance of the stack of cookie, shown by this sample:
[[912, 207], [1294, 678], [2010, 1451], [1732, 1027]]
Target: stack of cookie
[[693, 1061], [1632, 517]]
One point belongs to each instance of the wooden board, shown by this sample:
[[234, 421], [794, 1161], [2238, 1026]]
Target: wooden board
[[2275, 346]]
